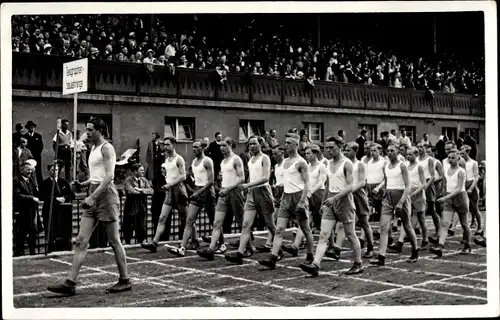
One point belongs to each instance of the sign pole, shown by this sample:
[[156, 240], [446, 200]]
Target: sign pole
[[75, 113]]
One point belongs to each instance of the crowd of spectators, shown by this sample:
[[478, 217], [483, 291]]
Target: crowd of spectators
[[241, 48]]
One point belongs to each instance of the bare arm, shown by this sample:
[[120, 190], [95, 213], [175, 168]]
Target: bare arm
[[108, 154], [304, 172], [321, 180], [431, 172], [406, 193], [439, 169]]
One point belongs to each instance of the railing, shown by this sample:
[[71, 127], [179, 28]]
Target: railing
[[99, 239], [41, 72]]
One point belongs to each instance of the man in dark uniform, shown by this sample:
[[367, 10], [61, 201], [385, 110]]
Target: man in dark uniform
[[61, 228], [35, 145]]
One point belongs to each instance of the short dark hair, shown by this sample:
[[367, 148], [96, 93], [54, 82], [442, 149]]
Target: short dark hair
[[99, 124], [19, 126], [216, 134], [340, 132], [230, 142], [337, 140], [363, 131], [171, 139]]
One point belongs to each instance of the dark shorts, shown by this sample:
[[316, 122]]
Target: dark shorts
[[458, 204], [361, 202], [391, 199], [205, 199], [107, 205], [439, 189], [278, 193], [234, 202], [260, 199], [288, 207], [430, 193], [474, 195], [342, 209], [176, 196], [316, 202], [374, 196]]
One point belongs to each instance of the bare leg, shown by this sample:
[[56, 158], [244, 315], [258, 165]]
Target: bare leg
[[190, 224], [165, 212], [116, 244], [385, 225], [87, 226], [278, 236], [324, 236], [353, 239], [248, 219]]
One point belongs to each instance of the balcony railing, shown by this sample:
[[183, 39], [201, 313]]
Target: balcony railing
[[40, 72]]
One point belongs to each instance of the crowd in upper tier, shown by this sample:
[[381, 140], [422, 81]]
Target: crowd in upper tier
[[240, 48]]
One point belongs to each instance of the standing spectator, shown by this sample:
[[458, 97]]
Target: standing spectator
[[404, 139], [215, 154], [137, 189], [19, 156], [361, 142], [16, 136], [341, 134], [440, 148], [81, 155], [469, 140], [157, 202], [62, 141], [35, 145], [426, 140], [62, 210], [27, 221], [460, 141], [274, 141], [154, 158]]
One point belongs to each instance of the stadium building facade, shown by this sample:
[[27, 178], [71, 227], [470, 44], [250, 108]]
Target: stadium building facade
[[136, 101]]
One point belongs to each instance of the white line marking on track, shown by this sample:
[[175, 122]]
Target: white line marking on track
[[459, 285]]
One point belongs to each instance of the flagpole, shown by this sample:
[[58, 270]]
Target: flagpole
[[75, 106]]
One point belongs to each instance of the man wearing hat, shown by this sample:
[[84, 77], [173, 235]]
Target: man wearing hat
[[35, 145], [27, 222]]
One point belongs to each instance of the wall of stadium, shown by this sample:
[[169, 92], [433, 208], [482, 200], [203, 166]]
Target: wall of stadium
[[135, 118]]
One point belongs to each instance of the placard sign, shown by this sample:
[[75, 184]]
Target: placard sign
[[75, 76]]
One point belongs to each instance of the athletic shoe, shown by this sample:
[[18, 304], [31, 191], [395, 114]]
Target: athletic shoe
[[269, 262], [433, 240], [355, 269], [438, 251], [451, 232], [121, 286], [311, 268], [473, 225], [248, 252], [479, 232], [368, 254], [193, 245], [333, 253], [302, 245], [206, 239], [180, 251], [221, 249], [424, 246], [280, 255], [149, 246], [466, 250], [67, 288], [206, 253], [481, 242], [263, 248], [413, 257], [290, 249], [379, 261], [395, 248], [234, 257]]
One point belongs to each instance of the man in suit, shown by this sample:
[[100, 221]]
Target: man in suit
[[154, 157], [20, 155], [213, 151], [361, 142], [16, 136], [27, 221], [61, 228], [35, 145]]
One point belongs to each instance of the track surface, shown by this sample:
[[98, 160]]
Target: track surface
[[162, 280]]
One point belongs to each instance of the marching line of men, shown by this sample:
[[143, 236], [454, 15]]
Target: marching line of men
[[330, 191]]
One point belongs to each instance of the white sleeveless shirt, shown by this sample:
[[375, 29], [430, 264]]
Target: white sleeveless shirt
[[394, 177], [96, 165], [355, 172], [452, 180], [292, 178], [425, 165], [173, 172], [314, 175], [200, 172], [336, 180], [256, 169], [413, 175], [469, 168], [278, 173], [374, 173], [229, 173]]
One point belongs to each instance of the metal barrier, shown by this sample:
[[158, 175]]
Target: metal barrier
[[98, 239]]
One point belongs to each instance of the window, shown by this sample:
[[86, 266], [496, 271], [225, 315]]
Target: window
[[314, 131], [410, 132], [474, 133], [181, 129], [82, 118], [371, 131], [450, 132], [249, 128]]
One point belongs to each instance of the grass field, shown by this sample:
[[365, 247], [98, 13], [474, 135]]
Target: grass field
[[163, 280]]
